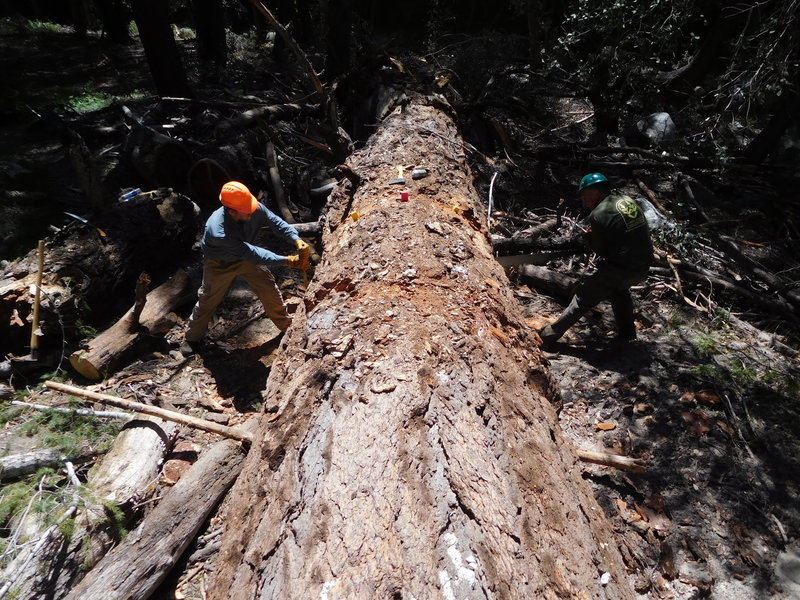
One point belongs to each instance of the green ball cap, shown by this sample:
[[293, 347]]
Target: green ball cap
[[591, 179]]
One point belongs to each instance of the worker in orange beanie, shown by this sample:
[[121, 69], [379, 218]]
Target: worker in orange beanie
[[230, 250]]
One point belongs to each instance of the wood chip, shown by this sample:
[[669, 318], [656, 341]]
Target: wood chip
[[380, 388], [606, 426]]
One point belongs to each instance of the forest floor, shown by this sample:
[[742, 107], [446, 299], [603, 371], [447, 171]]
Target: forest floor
[[705, 396]]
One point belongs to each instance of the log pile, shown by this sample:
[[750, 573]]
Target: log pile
[[87, 264]]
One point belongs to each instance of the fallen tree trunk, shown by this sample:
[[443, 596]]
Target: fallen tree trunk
[[136, 567], [411, 450], [162, 413], [14, 466], [548, 281], [152, 314], [126, 475]]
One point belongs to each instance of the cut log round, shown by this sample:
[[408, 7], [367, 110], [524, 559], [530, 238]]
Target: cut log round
[[106, 351], [412, 450]]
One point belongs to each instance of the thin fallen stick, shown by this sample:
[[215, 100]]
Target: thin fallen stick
[[76, 411], [626, 463], [168, 415]]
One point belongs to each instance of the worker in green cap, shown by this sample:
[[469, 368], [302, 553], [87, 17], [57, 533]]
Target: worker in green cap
[[619, 234]]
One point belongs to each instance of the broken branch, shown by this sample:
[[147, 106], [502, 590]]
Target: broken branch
[[168, 415]]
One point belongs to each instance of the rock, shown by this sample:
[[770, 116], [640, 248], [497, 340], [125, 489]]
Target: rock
[[787, 572], [654, 130]]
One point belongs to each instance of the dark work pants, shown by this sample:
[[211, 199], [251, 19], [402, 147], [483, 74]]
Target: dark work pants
[[609, 282]]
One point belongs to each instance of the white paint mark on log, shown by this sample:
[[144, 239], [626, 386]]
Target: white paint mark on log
[[447, 586], [323, 595], [462, 572]]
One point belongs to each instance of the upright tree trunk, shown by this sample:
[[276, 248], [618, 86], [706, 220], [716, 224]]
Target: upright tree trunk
[[412, 451], [340, 36], [166, 67], [115, 19], [721, 31], [209, 17], [785, 112]]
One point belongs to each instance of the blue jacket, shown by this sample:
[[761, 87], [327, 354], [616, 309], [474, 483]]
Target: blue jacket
[[229, 240]]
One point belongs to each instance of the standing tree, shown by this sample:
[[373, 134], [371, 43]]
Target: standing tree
[[209, 18], [163, 58]]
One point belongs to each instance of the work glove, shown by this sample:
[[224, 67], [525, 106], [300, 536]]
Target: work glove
[[303, 250], [295, 261]]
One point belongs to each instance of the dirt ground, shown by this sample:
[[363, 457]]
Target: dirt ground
[[707, 399]]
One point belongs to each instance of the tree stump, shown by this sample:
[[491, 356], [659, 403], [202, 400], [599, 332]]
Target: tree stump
[[411, 450]]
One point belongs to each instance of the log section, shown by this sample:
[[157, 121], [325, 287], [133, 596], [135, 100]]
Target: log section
[[412, 451]]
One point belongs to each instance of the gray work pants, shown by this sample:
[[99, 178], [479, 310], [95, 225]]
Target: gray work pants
[[217, 279], [609, 282]]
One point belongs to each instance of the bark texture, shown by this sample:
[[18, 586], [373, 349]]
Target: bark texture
[[412, 451], [136, 567]]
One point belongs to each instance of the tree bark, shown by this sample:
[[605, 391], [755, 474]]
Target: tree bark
[[156, 317], [209, 18], [136, 567], [115, 18], [160, 49], [411, 450], [547, 281]]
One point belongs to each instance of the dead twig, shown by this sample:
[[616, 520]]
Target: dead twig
[[625, 463]]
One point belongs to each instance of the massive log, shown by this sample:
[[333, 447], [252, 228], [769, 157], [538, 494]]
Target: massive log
[[410, 450]]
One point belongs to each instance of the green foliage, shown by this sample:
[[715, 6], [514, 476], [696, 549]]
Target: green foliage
[[115, 519], [705, 345], [19, 25], [89, 102], [720, 317], [15, 498], [68, 432]]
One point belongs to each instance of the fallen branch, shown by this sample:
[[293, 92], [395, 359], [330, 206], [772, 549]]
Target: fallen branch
[[651, 195], [277, 186], [301, 56], [113, 414], [14, 466], [146, 409], [551, 282], [626, 463], [152, 313]]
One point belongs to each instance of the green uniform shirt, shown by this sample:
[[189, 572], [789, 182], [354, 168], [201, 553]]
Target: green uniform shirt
[[620, 233]]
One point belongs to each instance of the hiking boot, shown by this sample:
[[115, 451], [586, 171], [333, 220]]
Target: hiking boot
[[549, 337], [188, 349]]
